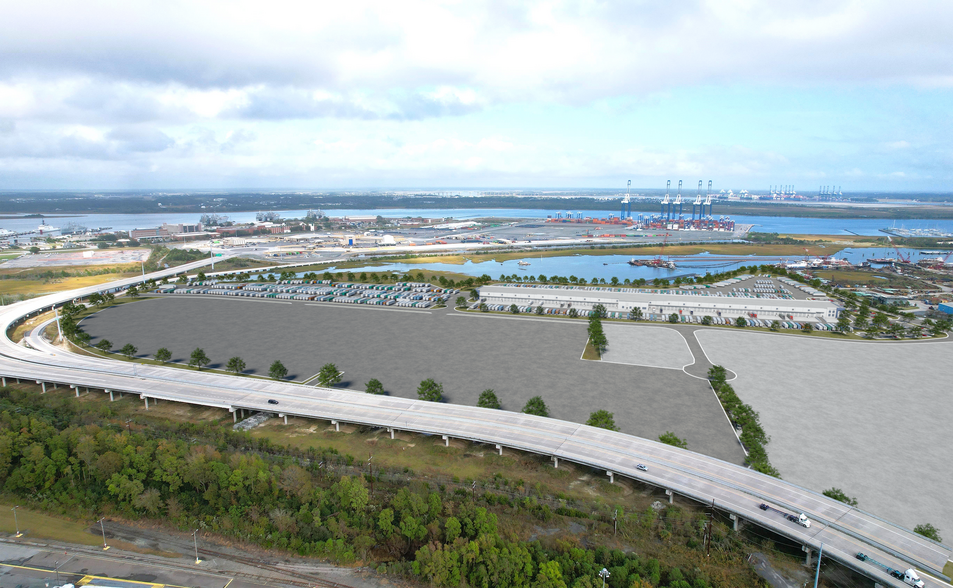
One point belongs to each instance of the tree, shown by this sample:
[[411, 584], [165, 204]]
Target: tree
[[741, 322], [278, 370], [201, 276], [838, 494], [133, 292], [673, 318], [198, 358], [896, 329], [128, 350], [163, 355], [928, 531], [235, 365], [573, 313], [843, 323], [430, 390], [329, 375], [514, 309], [484, 307], [807, 328], [602, 419], [488, 399], [707, 320], [539, 309], [461, 301], [34, 250], [636, 314], [374, 386], [536, 406], [104, 345], [599, 311], [670, 438], [880, 320]]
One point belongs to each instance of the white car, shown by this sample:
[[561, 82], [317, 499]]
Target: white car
[[641, 468]]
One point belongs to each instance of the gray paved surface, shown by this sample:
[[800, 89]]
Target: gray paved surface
[[644, 345], [874, 419], [517, 357]]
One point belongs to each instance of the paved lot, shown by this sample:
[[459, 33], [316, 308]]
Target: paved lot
[[73, 258], [646, 346], [518, 357], [874, 419]]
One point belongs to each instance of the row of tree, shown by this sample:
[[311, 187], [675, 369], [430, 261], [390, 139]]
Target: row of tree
[[597, 337], [742, 415]]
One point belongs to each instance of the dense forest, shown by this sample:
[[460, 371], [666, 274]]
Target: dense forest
[[77, 458], [60, 203]]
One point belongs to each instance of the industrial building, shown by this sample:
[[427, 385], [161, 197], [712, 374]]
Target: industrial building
[[690, 304]]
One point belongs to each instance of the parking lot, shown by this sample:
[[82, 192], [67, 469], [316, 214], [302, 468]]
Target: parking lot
[[518, 357]]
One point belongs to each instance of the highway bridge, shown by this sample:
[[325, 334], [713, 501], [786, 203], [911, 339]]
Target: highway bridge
[[844, 531]]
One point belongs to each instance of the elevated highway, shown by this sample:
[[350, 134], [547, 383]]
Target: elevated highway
[[844, 531]]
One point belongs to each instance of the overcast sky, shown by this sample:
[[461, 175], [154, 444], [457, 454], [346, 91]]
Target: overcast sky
[[268, 94]]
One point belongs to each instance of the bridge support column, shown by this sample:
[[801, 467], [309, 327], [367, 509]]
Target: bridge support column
[[120, 394], [4, 381], [446, 440], [234, 415], [285, 417], [500, 449], [807, 557], [337, 426], [671, 496], [111, 397], [76, 388], [555, 461], [611, 477], [54, 385], [391, 431], [146, 398], [43, 384], [736, 520]]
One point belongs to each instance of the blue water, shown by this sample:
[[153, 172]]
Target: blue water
[[608, 266], [768, 224]]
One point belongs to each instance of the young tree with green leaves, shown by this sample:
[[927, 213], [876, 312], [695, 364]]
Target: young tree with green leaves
[[602, 419], [461, 301], [430, 390], [514, 309], [670, 438], [198, 359], [129, 350], [488, 399], [741, 322], [105, 345], [374, 386], [278, 370], [673, 318], [928, 531], [635, 314], [329, 375], [536, 406], [235, 365], [163, 355], [838, 494]]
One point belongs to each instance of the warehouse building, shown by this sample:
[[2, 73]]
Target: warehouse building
[[687, 303]]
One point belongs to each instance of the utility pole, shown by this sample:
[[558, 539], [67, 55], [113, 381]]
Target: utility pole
[[195, 543], [604, 573], [15, 521], [711, 516], [615, 524], [59, 329], [817, 574], [103, 529]]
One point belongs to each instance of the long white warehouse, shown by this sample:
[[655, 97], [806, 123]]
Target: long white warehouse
[[690, 303]]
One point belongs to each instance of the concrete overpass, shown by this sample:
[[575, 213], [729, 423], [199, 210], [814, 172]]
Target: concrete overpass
[[843, 530]]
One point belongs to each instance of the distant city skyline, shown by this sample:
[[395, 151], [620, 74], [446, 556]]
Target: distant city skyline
[[478, 96]]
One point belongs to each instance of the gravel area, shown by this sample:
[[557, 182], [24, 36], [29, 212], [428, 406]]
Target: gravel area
[[873, 419], [646, 346]]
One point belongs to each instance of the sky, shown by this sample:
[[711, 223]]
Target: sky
[[179, 94]]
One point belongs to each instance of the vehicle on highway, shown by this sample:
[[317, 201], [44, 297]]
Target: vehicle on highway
[[800, 519], [909, 577], [641, 468], [272, 401]]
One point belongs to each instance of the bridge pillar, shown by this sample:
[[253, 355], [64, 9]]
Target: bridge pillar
[[555, 461], [234, 415], [807, 558], [611, 477], [500, 449], [391, 431], [446, 440], [671, 496], [54, 385], [4, 381], [738, 521], [146, 398], [43, 384], [285, 417], [111, 397], [74, 387], [337, 426]]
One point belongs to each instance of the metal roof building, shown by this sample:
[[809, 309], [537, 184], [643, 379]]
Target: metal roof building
[[663, 302]]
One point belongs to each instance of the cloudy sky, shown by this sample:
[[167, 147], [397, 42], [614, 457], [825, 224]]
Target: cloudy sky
[[235, 94]]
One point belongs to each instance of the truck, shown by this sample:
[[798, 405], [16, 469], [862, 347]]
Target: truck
[[800, 518], [909, 577]]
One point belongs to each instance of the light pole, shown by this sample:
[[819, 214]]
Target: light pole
[[603, 573], [195, 542], [103, 529], [16, 522]]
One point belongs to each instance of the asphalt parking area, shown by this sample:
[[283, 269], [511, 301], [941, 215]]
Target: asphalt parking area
[[518, 357]]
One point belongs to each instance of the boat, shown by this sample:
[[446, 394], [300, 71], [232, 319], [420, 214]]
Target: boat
[[45, 228], [882, 260], [521, 262]]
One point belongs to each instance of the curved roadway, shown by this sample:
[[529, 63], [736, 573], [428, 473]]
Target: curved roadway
[[843, 530]]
